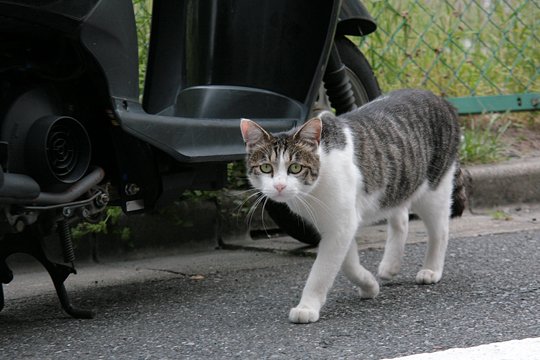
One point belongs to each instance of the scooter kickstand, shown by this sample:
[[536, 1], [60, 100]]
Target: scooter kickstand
[[29, 242], [59, 274]]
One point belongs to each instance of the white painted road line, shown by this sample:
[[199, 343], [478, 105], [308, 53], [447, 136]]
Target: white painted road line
[[526, 349]]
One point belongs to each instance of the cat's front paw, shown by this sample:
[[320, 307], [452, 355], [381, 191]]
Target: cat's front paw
[[303, 315], [369, 291], [387, 270], [427, 276]]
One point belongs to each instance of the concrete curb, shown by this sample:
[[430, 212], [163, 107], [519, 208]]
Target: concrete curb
[[200, 224], [504, 183]]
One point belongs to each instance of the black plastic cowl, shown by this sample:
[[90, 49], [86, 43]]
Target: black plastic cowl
[[57, 151]]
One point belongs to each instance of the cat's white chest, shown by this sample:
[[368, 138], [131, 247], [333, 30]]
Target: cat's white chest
[[335, 193]]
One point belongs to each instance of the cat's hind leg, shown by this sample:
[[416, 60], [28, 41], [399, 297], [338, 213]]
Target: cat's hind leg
[[398, 228], [433, 207], [368, 287]]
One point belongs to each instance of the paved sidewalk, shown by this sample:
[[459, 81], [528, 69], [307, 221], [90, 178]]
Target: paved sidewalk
[[491, 190], [481, 222]]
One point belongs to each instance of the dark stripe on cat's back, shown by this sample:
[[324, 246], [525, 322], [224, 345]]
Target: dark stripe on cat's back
[[333, 135], [402, 140]]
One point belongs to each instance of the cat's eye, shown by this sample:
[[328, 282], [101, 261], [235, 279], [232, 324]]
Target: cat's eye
[[295, 168], [266, 168]]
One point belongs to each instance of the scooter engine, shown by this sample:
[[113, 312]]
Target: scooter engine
[[45, 163], [57, 150], [43, 142]]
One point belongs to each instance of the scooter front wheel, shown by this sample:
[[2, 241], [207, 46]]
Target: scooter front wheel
[[363, 83], [364, 88]]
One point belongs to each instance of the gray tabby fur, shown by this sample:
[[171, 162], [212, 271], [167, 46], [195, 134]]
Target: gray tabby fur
[[396, 150]]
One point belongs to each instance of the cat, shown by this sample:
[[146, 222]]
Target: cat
[[392, 155]]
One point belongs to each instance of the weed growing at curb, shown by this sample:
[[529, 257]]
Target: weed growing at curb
[[481, 143], [103, 226], [500, 215]]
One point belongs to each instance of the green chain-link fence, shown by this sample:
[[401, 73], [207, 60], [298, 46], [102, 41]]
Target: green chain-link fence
[[482, 54], [143, 17]]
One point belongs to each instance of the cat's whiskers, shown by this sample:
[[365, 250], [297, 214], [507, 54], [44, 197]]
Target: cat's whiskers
[[242, 192], [255, 193], [309, 210], [317, 201], [296, 205], [253, 208], [262, 216], [238, 209]]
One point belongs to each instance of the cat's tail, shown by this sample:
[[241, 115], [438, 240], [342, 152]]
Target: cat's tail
[[459, 196]]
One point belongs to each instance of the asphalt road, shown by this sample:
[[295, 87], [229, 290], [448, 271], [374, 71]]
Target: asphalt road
[[221, 304]]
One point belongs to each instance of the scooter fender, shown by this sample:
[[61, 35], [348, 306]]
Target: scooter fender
[[354, 19]]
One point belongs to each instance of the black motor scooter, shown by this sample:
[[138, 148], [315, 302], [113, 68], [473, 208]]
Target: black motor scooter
[[75, 137]]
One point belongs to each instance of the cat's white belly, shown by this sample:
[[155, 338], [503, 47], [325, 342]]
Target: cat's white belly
[[369, 210]]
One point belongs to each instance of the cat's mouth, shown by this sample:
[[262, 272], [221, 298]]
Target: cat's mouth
[[282, 196]]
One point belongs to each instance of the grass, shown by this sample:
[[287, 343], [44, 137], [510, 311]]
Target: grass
[[456, 48], [103, 226], [481, 141], [500, 215], [143, 11]]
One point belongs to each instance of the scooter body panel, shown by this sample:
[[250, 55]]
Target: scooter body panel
[[214, 62], [210, 63]]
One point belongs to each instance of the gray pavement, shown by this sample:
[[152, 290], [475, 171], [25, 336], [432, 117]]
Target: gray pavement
[[221, 304], [191, 300]]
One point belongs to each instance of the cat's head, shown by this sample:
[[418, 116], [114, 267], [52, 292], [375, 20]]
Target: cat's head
[[282, 165]]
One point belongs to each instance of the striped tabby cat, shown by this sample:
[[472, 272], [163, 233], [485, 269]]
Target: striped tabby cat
[[397, 153]]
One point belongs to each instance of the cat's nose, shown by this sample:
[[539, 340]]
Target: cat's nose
[[280, 186]]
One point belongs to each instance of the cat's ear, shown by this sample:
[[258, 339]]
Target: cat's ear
[[252, 132], [311, 131]]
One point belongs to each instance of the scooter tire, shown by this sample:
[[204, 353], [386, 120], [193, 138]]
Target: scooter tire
[[363, 80]]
